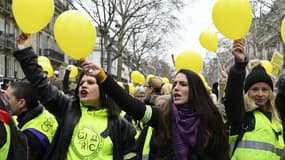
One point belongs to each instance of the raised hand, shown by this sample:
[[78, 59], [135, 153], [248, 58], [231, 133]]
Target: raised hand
[[24, 41], [238, 50], [89, 68], [223, 77]]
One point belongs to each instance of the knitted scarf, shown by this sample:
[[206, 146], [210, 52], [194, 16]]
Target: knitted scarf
[[185, 126]]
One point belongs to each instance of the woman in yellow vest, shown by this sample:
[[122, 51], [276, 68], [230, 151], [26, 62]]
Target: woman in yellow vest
[[255, 126], [90, 127], [189, 128]]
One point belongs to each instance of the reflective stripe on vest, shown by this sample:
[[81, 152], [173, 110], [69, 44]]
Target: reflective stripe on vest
[[4, 150], [45, 123], [147, 114], [146, 146], [259, 146], [264, 142]]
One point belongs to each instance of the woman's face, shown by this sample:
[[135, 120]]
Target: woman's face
[[180, 92], [140, 96], [89, 93], [260, 93]]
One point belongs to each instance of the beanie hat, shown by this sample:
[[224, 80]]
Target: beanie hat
[[258, 74]]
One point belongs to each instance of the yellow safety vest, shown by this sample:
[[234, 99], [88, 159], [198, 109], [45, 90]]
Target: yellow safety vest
[[4, 150], [87, 142], [146, 146], [263, 143], [44, 123]]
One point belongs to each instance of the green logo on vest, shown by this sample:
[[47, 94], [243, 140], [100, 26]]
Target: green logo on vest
[[87, 143], [47, 124]]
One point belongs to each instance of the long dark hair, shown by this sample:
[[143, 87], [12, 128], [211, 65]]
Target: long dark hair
[[105, 101], [211, 124]]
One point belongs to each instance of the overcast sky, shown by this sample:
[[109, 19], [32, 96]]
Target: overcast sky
[[194, 18]]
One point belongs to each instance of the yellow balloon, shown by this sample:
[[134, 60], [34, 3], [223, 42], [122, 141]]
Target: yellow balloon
[[73, 72], [131, 89], [283, 30], [135, 76], [209, 40], [189, 60], [141, 79], [232, 17], [32, 16], [75, 34], [47, 67], [267, 65], [165, 80], [43, 59]]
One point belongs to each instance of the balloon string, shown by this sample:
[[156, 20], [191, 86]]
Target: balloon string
[[221, 68], [173, 60]]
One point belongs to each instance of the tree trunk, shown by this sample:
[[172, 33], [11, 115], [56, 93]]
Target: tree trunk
[[102, 52], [109, 62], [109, 53], [120, 54], [119, 68]]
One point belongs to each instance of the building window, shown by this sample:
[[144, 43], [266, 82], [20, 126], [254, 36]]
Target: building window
[[2, 64], [10, 67]]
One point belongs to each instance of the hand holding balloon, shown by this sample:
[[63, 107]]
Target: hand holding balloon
[[89, 68], [24, 41], [238, 50]]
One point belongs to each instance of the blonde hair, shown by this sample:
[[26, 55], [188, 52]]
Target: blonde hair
[[250, 105], [166, 89]]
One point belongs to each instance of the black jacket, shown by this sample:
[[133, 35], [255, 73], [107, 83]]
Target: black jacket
[[67, 111], [36, 147], [18, 149], [136, 109]]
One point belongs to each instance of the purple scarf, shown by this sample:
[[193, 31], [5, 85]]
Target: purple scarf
[[185, 127]]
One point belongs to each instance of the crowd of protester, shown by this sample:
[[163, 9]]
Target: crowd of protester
[[240, 117]]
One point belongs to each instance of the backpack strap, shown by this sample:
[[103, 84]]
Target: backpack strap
[[41, 137], [247, 125], [114, 132]]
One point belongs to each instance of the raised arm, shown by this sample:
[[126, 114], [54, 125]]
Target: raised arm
[[49, 95], [65, 81], [234, 103], [132, 106], [222, 85], [280, 98]]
